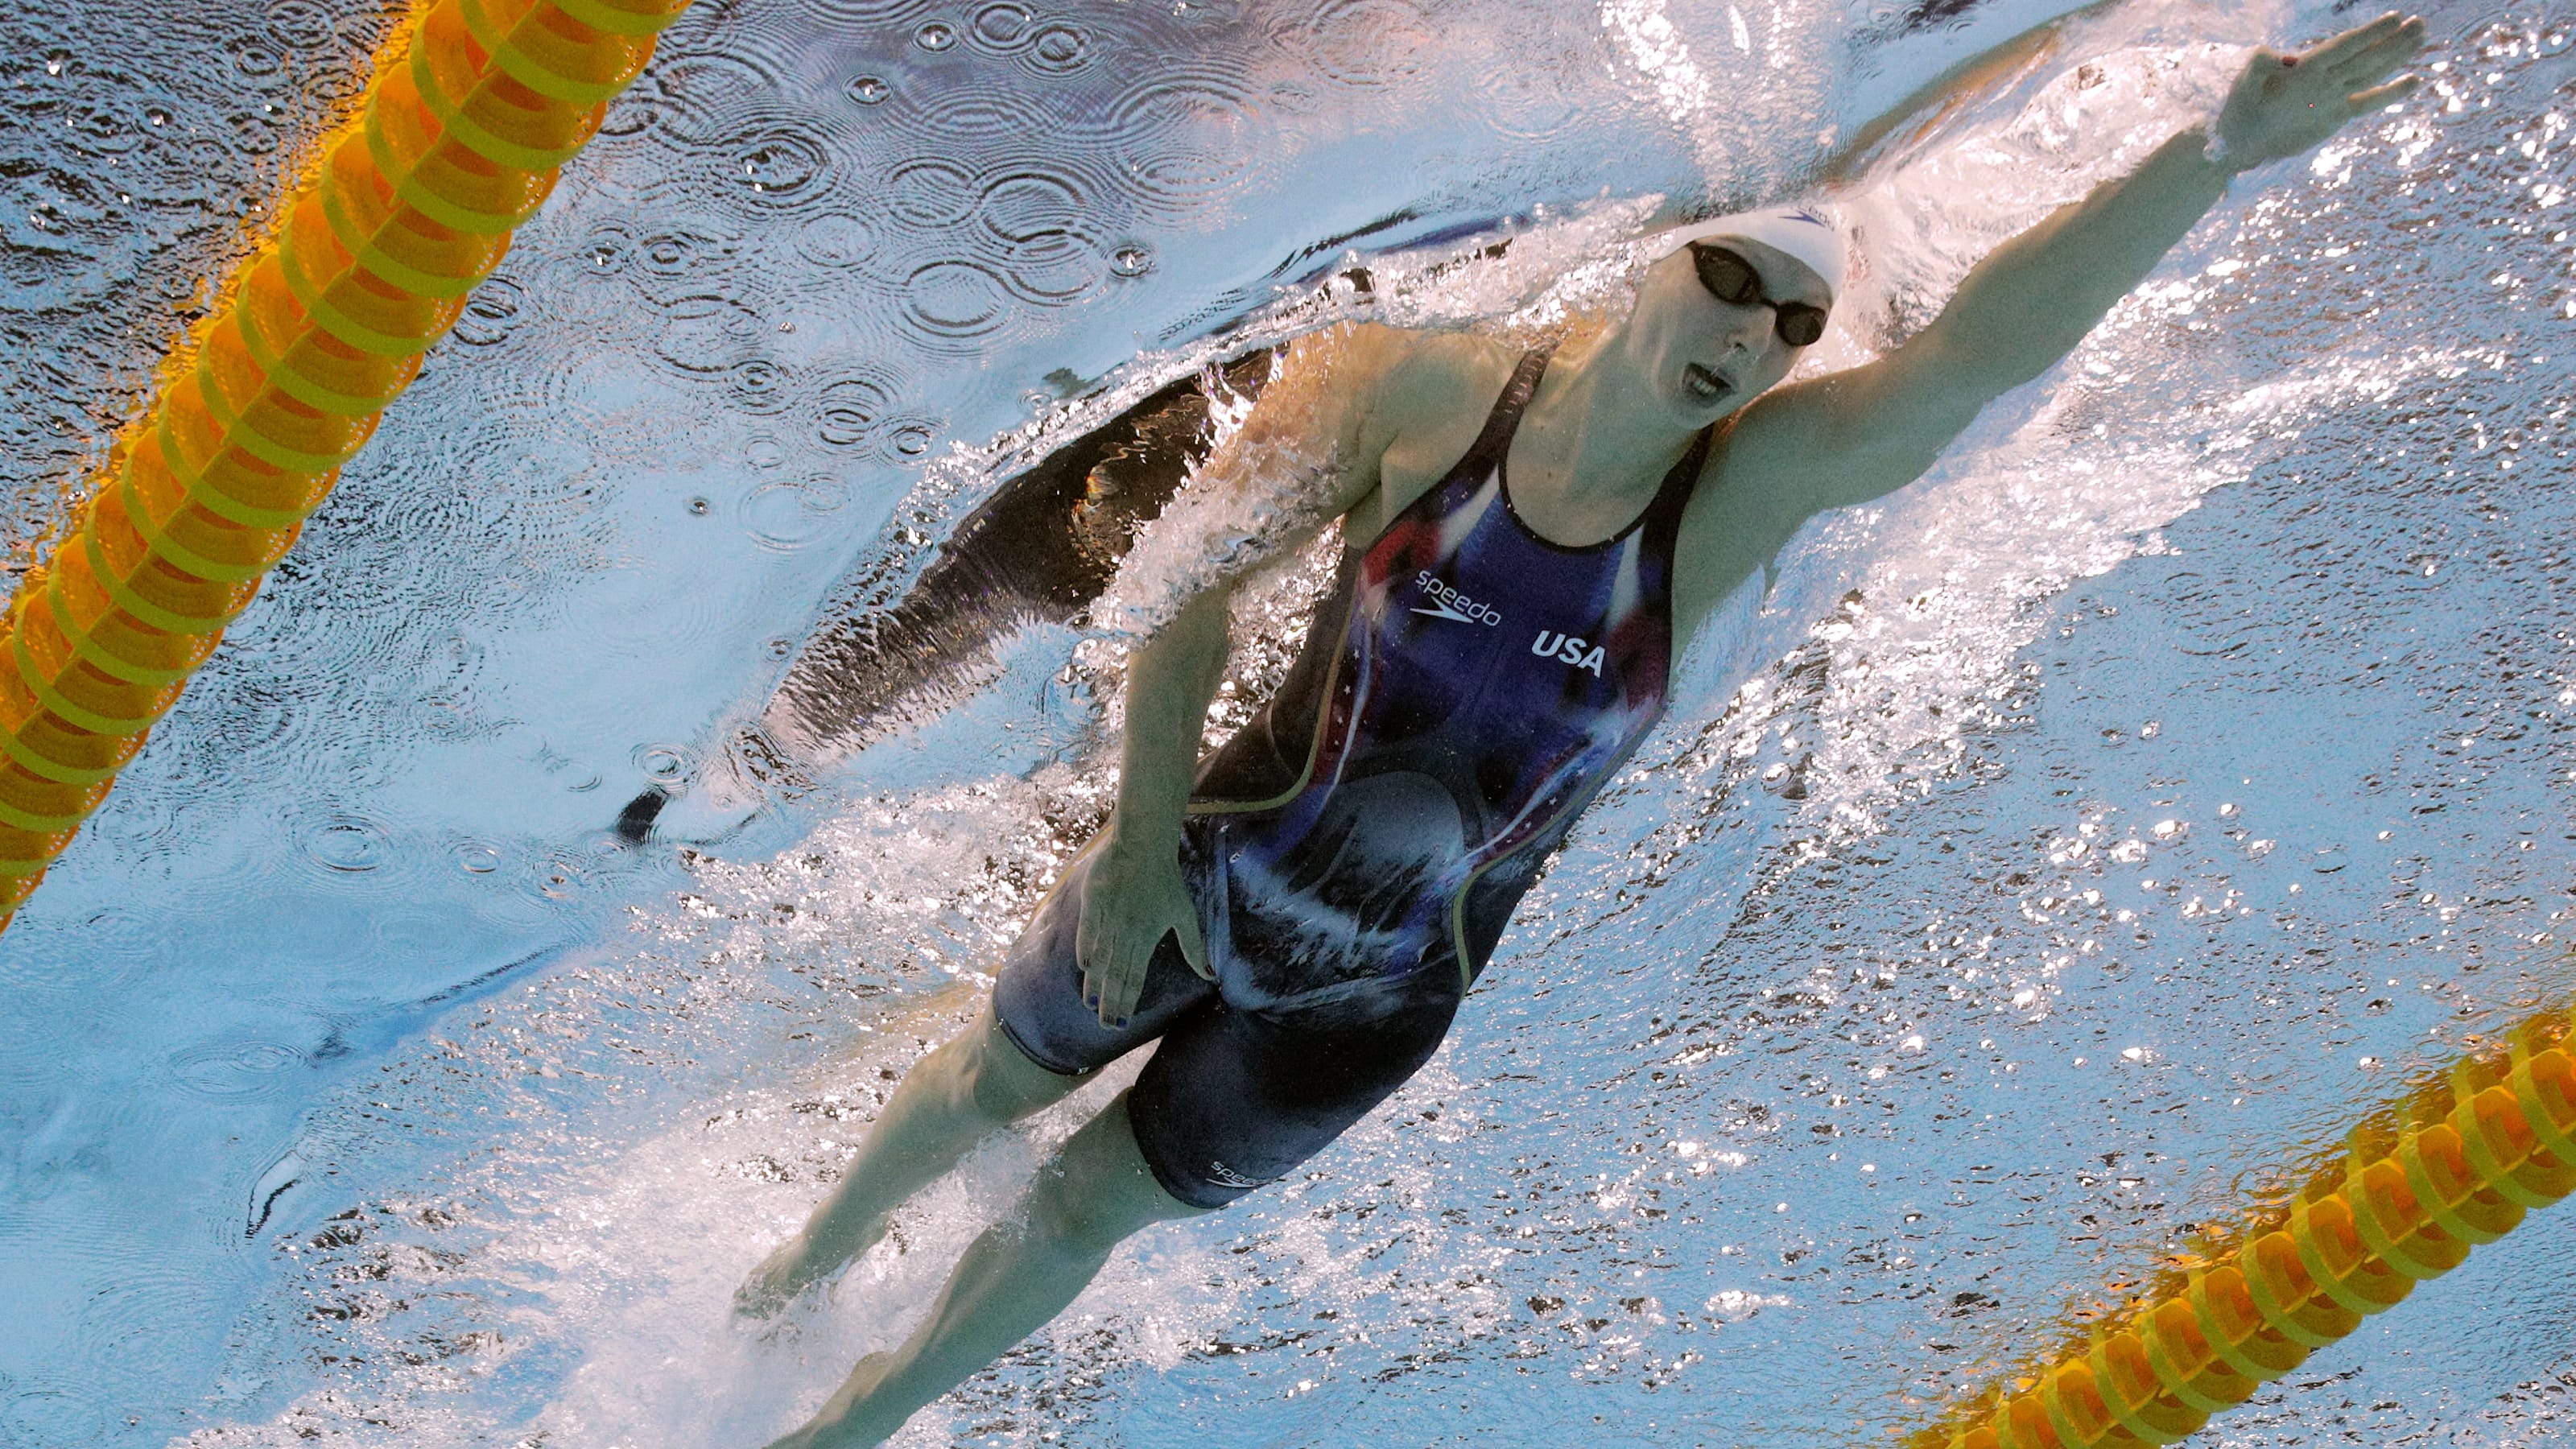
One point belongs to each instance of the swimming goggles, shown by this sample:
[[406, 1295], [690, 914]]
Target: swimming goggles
[[1730, 278]]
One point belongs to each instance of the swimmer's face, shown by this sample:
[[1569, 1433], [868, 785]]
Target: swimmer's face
[[1709, 357]]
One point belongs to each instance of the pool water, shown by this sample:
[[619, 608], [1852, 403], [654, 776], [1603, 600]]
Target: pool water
[[2067, 850]]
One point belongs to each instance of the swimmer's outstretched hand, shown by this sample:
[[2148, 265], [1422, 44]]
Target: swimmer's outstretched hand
[[1134, 898], [2284, 104]]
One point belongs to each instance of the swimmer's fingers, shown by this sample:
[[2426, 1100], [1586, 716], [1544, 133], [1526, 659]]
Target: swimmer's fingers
[[1095, 948], [2389, 94], [2365, 64], [1102, 954], [1116, 989], [2358, 41], [1106, 945], [1101, 973]]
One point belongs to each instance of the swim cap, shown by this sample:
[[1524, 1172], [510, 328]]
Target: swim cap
[[1797, 230]]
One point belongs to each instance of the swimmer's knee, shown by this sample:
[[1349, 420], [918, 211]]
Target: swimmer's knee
[[1000, 1081], [1098, 1191]]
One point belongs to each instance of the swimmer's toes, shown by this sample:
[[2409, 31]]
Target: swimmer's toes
[[756, 1301], [771, 1287]]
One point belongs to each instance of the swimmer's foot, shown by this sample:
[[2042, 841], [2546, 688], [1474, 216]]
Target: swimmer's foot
[[834, 1425], [798, 1265]]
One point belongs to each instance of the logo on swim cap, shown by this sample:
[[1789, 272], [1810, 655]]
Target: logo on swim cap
[[1801, 231]]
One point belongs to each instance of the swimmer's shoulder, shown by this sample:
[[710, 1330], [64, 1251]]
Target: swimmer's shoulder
[[1404, 373], [1431, 400], [1439, 372], [1434, 385], [1399, 404]]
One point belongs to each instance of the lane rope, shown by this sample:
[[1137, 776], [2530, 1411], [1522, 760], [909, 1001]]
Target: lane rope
[[475, 106], [2456, 1163]]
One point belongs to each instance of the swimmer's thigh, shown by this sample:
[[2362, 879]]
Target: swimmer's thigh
[[1037, 1000], [1234, 1099]]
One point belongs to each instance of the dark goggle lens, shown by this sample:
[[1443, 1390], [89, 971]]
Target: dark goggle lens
[[1800, 325], [1730, 278]]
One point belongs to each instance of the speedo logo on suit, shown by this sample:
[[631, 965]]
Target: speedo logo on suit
[[1551, 645], [1448, 603]]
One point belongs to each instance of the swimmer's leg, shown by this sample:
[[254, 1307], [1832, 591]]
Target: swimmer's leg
[[1017, 1276], [952, 1099]]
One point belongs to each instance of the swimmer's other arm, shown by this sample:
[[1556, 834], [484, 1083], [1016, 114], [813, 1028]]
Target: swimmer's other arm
[[1856, 435], [1313, 432]]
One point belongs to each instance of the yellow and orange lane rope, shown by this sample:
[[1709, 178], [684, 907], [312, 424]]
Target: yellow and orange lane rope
[[2455, 1164], [472, 110]]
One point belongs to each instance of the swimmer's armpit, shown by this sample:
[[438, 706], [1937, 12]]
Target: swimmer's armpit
[[1301, 458]]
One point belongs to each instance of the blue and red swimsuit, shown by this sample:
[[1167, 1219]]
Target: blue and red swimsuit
[[1357, 849]]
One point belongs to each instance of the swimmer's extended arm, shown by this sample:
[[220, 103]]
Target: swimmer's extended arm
[[1305, 455], [1853, 436]]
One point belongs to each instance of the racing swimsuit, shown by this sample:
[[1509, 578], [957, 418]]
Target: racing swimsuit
[[1357, 848]]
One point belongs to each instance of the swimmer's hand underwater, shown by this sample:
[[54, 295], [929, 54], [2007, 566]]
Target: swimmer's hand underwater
[[2286, 104], [1137, 896]]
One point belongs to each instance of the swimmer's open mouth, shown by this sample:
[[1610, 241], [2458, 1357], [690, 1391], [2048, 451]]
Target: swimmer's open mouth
[[1704, 385]]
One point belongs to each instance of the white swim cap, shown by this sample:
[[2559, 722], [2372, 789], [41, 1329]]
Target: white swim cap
[[1797, 230]]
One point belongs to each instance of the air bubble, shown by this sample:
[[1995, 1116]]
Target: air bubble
[[1003, 25], [1058, 49], [756, 385], [787, 516], [698, 507], [1053, 269], [558, 879], [836, 239], [955, 299], [868, 90], [662, 764], [931, 193], [302, 24], [936, 35], [850, 410], [490, 313], [233, 1070], [1025, 205], [257, 61], [778, 164], [345, 843]]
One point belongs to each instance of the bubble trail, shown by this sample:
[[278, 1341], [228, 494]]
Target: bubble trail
[[473, 110], [2457, 1163]]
